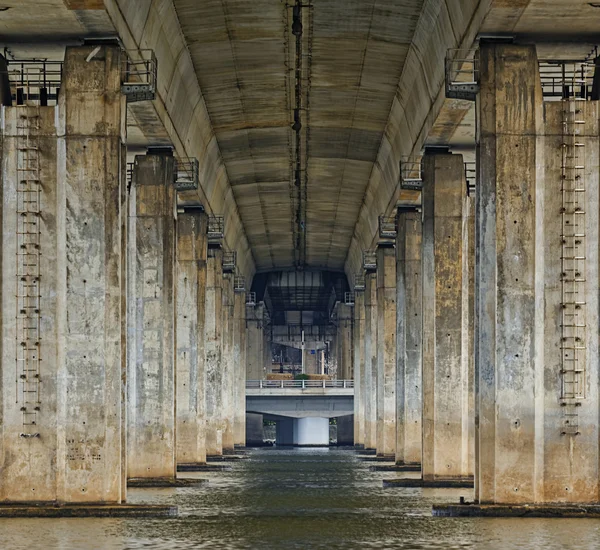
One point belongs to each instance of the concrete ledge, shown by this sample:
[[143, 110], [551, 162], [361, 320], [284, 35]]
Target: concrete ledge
[[466, 483], [148, 482], [87, 511], [202, 467], [371, 458], [364, 451], [225, 458], [521, 511], [396, 468]]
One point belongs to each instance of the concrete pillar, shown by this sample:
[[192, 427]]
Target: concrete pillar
[[191, 376], [213, 349], [344, 342], [370, 370], [386, 351], [254, 430], [359, 367], [228, 377], [311, 431], [61, 319], [409, 338], [445, 401], [151, 318], [285, 431], [536, 396], [239, 362], [255, 368], [345, 430]]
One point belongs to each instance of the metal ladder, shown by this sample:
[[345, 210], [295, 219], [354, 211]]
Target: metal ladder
[[573, 262], [28, 315]]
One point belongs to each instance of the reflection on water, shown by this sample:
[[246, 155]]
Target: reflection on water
[[298, 498]]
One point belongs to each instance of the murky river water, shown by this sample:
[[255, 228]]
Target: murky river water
[[300, 498]]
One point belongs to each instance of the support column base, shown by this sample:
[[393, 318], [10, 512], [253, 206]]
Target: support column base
[[225, 458], [372, 458], [396, 468], [87, 511], [202, 467], [455, 483], [517, 511], [148, 482], [364, 451]]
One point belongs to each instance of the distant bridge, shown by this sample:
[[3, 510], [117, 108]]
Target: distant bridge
[[300, 398]]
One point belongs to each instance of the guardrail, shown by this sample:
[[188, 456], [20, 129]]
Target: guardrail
[[299, 384]]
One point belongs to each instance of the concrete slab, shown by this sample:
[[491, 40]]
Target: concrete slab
[[521, 511], [396, 468], [202, 467], [154, 482], [87, 510], [430, 484], [372, 458], [225, 458]]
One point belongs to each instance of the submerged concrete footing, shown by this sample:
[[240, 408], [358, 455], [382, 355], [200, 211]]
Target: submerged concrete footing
[[517, 511], [148, 482], [88, 511], [202, 467], [454, 483], [396, 468]]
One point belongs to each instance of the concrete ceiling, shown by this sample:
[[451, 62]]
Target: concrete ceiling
[[243, 54]]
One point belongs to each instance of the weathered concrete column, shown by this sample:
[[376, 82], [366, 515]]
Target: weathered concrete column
[[228, 377], [62, 182], [151, 318], [370, 370], [255, 342], [359, 367], [239, 362], [409, 338], [213, 349], [191, 376], [536, 288], [386, 351], [445, 401], [344, 342]]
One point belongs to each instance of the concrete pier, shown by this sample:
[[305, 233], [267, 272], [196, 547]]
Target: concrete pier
[[359, 367], [227, 364], [239, 365], [536, 289], [213, 349], [151, 319], [386, 351], [445, 401], [191, 376], [409, 338], [370, 365], [255, 369], [344, 342], [61, 266]]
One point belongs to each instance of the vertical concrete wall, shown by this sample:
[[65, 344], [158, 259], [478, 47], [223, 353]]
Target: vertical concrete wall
[[213, 349], [239, 363], [386, 351], [527, 447], [191, 376], [370, 370], [358, 338], [255, 341], [445, 452], [61, 350], [151, 347], [228, 377], [409, 339]]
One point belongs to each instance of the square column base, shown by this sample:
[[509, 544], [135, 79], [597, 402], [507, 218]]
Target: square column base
[[87, 511], [517, 511], [153, 482], [455, 483]]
